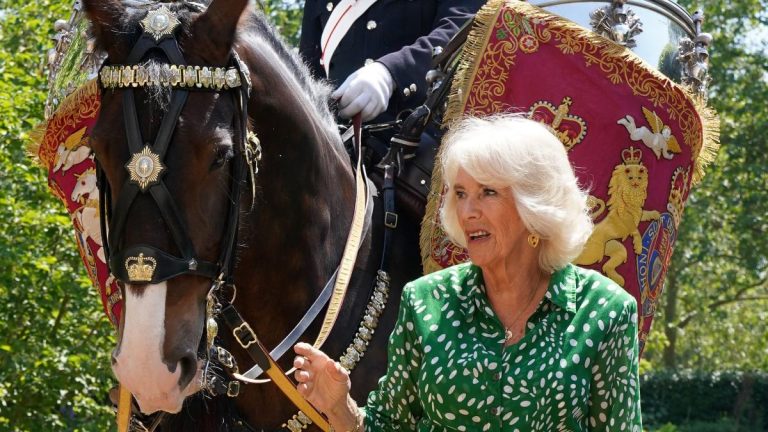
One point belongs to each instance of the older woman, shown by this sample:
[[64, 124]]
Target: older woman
[[517, 339]]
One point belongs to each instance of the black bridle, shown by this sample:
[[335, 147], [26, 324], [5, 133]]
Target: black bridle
[[143, 263]]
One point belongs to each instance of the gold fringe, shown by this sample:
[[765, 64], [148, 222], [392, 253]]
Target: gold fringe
[[34, 141], [69, 110], [710, 145], [476, 42], [465, 73]]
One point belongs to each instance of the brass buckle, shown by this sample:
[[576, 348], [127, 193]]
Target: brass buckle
[[390, 220], [244, 328], [233, 388]]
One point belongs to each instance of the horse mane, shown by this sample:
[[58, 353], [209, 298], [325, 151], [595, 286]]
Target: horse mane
[[318, 90]]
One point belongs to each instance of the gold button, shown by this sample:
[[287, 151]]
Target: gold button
[[370, 25], [406, 92], [329, 6], [413, 88]]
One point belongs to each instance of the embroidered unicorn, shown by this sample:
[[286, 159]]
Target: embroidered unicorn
[[86, 218]]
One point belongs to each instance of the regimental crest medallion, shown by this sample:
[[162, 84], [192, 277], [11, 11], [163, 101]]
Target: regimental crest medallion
[[145, 168], [160, 22]]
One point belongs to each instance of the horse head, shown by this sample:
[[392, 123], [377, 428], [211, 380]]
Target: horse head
[[169, 212], [172, 152], [85, 187]]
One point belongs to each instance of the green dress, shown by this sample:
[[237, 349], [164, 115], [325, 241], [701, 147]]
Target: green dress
[[576, 368]]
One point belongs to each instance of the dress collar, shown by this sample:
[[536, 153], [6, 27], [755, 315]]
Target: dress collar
[[560, 292]]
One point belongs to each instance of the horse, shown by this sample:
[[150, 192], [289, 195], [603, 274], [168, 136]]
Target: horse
[[289, 230], [87, 216]]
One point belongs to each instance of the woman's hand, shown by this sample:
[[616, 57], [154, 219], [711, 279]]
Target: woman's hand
[[322, 381]]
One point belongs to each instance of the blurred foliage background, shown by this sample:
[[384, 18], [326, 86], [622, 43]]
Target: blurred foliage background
[[706, 358]]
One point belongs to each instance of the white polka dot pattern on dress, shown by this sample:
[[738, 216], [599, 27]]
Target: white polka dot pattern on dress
[[575, 369]]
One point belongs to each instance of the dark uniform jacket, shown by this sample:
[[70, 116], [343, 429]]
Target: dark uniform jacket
[[401, 34]]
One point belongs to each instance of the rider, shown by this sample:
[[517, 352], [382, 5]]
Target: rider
[[380, 58]]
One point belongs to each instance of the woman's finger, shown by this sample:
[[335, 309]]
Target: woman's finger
[[304, 389], [308, 351], [301, 362], [336, 371], [303, 376]]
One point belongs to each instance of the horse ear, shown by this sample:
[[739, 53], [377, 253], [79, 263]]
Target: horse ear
[[107, 17], [213, 33]]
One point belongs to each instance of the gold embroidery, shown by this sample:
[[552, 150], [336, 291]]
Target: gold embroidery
[[627, 191]]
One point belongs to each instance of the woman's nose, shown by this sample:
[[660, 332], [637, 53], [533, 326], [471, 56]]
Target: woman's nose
[[468, 209]]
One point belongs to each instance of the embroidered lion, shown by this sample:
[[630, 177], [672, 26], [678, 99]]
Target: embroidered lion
[[627, 192]]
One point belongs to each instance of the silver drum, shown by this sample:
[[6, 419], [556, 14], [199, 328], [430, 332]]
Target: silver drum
[[661, 32]]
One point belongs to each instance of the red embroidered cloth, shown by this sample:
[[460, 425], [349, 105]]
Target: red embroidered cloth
[[65, 152], [632, 134]]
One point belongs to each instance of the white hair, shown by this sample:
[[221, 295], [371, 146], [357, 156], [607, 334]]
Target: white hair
[[510, 151]]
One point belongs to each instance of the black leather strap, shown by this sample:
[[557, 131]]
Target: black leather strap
[[390, 214], [167, 265], [245, 336]]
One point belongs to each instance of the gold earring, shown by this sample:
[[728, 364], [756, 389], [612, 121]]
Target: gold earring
[[533, 240]]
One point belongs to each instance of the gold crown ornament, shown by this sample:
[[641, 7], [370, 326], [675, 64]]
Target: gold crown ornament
[[632, 156], [570, 129], [140, 268]]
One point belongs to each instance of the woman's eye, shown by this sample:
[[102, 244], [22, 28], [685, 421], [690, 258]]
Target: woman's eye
[[460, 194], [488, 191]]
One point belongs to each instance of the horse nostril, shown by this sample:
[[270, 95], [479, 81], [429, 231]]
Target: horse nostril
[[188, 365]]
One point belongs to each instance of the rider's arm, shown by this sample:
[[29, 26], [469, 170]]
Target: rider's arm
[[410, 64]]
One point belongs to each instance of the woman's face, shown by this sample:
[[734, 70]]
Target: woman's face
[[489, 219]]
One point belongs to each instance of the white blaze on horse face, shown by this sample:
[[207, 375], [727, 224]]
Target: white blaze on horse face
[[139, 364]]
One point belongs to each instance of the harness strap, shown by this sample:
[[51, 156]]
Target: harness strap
[[390, 215], [123, 409], [340, 279], [239, 177], [353, 244], [293, 337], [245, 336]]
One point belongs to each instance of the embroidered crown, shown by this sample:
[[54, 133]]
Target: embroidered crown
[[568, 128], [140, 268], [632, 155], [678, 193]]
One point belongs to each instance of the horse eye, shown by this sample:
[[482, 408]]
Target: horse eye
[[222, 155]]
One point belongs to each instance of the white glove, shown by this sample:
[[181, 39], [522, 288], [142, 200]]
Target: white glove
[[366, 91]]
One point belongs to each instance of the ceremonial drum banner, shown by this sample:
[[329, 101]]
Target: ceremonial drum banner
[[64, 151], [636, 139]]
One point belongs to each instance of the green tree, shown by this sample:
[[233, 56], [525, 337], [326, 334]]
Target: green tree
[[54, 339], [715, 306]]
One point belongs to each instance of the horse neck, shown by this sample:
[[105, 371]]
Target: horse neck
[[296, 232]]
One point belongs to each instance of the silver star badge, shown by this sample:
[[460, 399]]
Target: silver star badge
[[160, 22], [145, 168]]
